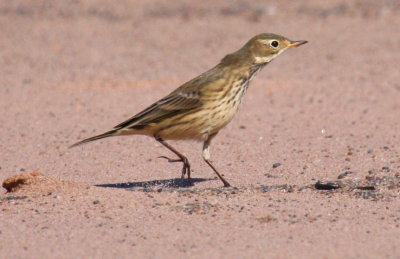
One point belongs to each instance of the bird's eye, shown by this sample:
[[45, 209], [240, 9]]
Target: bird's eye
[[274, 44]]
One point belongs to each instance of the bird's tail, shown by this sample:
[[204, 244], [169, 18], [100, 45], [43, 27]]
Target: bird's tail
[[104, 135]]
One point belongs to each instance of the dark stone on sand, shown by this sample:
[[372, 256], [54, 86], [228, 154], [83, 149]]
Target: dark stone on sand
[[276, 165], [327, 185]]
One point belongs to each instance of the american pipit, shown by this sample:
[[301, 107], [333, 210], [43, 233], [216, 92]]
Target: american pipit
[[200, 108]]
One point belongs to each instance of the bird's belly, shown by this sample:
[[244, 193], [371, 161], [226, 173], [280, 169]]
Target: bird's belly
[[198, 125], [219, 117], [223, 112], [215, 114]]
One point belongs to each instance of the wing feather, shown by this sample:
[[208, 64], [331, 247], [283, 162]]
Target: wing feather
[[185, 98]]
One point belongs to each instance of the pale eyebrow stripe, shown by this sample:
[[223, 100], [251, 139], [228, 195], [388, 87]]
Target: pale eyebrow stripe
[[264, 41]]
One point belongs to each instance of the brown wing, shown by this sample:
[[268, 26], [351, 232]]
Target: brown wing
[[166, 107], [175, 103], [186, 97]]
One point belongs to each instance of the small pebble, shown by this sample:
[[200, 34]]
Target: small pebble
[[10, 198], [366, 188], [326, 185], [386, 169], [267, 189], [370, 151], [368, 195], [96, 202], [343, 175], [369, 178], [270, 175], [276, 165]]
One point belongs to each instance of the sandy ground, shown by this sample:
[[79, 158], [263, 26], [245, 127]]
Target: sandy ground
[[327, 112]]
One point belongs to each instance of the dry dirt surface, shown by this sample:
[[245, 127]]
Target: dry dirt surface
[[313, 154]]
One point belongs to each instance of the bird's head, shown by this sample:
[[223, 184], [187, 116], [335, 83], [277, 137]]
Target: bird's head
[[263, 48]]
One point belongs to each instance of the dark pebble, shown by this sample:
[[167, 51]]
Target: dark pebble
[[326, 185], [276, 165], [368, 195], [370, 151], [366, 188], [386, 169], [11, 198], [267, 189], [22, 170], [96, 202]]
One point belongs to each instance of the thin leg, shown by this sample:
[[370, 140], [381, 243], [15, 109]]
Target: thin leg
[[206, 157], [182, 158]]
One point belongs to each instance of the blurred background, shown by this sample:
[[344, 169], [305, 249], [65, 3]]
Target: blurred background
[[69, 41]]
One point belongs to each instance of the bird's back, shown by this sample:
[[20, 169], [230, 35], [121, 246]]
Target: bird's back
[[200, 107]]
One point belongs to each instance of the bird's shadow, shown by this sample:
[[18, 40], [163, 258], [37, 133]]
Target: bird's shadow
[[167, 183]]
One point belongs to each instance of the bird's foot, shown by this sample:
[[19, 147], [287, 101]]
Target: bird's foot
[[170, 160], [185, 168]]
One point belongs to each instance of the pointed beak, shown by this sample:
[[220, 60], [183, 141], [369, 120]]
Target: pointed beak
[[297, 43]]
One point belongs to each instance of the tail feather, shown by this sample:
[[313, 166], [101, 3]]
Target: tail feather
[[104, 135]]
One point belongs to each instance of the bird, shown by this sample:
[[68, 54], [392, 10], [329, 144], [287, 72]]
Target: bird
[[201, 107]]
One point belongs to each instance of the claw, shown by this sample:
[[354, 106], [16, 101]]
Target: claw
[[170, 160], [186, 165], [184, 169], [182, 158]]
